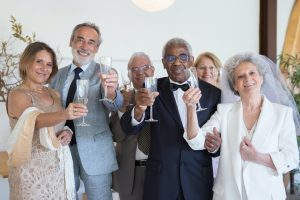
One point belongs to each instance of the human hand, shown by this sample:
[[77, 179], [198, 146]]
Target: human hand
[[127, 95], [64, 137], [74, 111], [247, 150], [110, 81], [213, 141], [144, 98], [191, 97]]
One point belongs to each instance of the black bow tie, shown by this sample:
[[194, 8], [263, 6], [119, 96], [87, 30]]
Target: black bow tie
[[184, 87]]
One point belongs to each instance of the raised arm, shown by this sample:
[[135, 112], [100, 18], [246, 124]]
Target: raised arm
[[17, 107]]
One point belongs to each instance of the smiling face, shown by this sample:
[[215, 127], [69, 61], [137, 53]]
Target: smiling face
[[175, 68], [84, 45], [207, 70], [41, 67], [247, 80]]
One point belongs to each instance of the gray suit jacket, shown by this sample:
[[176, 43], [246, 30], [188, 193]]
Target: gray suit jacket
[[94, 142], [123, 179]]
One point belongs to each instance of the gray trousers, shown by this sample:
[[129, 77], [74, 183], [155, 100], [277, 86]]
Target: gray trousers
[[97, 187]]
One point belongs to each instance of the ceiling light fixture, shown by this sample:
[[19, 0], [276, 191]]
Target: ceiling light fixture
[[153, 5]]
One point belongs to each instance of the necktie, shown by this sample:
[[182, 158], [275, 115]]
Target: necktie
[[70, 97], [144, 139], [175, 87]]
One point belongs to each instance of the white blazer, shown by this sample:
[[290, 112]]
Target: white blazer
[[275, 134]]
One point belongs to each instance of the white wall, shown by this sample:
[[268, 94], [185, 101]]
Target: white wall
[[224, 27]]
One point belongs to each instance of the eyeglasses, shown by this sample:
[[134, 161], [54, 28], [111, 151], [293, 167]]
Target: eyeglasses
[[140, 69], [182, 58]]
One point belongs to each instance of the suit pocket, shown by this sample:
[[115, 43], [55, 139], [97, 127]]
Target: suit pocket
[[102, 135], [154, 165]]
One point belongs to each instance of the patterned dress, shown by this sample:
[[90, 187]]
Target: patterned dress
[[42, 177]]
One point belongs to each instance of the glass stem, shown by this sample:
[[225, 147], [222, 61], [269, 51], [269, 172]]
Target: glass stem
[[83, 120], [105, 92], [151, 112], [198, 107]]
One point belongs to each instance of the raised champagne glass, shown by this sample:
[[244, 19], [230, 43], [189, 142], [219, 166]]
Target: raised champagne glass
[[82, 96], [192, 77], [151, 85], [105, 67], [126, 79]]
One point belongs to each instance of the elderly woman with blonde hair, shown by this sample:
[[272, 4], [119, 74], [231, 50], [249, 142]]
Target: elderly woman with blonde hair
[[208, 68]]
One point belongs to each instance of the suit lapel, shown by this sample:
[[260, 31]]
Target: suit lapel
[[235, 135], [167, 98], [63, 77]]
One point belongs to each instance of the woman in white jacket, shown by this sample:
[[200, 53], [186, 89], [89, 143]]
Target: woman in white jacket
[[258, 136]]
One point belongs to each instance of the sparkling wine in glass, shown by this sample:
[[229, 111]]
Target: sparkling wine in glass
[[126, 79], [192, 76], [82, 96], [151, 85], [105, 67]]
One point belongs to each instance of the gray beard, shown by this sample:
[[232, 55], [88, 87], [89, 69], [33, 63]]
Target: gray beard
[[81, 62]]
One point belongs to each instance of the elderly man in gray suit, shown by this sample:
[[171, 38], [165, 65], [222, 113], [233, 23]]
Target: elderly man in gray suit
[[91, 146], [132, 150]]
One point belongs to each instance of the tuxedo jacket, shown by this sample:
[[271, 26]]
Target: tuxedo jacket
[[172, 164], [274, 134], [94, 142]]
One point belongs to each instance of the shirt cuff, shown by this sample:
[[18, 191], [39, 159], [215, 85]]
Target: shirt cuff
[[215, 151], [197, 143], [134, 122], [120, 114]]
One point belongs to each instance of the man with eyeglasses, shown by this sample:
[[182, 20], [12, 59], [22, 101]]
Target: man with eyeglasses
[[174, 170], [132, 150]]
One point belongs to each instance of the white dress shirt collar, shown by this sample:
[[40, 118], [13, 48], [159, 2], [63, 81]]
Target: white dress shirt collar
[[83, 67]]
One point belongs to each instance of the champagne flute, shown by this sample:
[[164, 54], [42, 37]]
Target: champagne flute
[[82, 96], [191, 74], [126, 79], [105, 67], [151, 85]]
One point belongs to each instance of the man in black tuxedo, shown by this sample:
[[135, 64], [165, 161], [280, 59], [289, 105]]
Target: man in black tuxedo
[[173, 170]]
